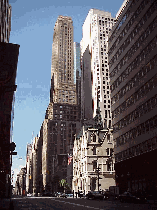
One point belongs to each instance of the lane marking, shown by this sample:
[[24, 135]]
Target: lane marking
[[77, 204]]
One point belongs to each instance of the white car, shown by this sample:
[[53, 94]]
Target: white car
[[29, 194]]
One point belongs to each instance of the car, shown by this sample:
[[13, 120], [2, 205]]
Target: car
[[106, 195], [29, 194], [58, 194], [128, 197], [47, 194], [54, 194], [95, 195], [80, 194], [69, 195], [142, 197], [63, 195]]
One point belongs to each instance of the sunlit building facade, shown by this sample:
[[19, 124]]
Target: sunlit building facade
[[62, 69], [93, 151], [94, 63]]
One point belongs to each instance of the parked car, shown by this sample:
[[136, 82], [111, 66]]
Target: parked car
[[95, 195], [80, 194], [63, 195], [29, 194], [142, 197], [58, 194], [54, 194], [128, 197], [69, 195], [47, 194], [106, 195]]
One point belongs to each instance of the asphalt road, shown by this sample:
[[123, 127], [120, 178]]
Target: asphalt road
[[43, 203]]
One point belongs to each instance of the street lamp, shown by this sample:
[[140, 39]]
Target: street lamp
[[97, 170]]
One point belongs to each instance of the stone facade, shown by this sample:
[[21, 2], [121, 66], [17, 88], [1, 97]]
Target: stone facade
[[62, 69], [93, 150], [94, 63]]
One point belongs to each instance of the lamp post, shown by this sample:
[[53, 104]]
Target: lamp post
[[97, 170]]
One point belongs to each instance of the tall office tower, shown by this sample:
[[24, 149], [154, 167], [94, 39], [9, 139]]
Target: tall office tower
[[133, 79], [77, 54], [62, 70], [94, 64], [77, 73], [28, 172], [62, 118], [5, 21]]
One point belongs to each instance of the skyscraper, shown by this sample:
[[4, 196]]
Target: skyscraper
[[62, 118], [77, 54], [62, 70], [77, 73], [133, 76], [94, 64], [5, 21]]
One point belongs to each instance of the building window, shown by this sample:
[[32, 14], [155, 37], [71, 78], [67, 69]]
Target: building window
[[94, 138], [111, 152], [94, 165], [94, 151], [108, 151], [110, 166], [108, 137]]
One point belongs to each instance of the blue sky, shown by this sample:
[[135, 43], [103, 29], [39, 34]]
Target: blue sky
[[32, 28]]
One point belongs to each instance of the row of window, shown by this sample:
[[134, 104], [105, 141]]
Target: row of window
[[128, 25], [66, 107], [148, 125], [147, 87], [140, 111], [139, 149], [144, 70], [119, 110], [136, 80], [135, 63], [150, 47], [137, 44]]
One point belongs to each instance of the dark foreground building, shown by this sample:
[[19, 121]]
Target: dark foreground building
[[133, 74], [8, 66]]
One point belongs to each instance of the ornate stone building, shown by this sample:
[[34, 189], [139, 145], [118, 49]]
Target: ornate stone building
[[93, 151], [93, 158]]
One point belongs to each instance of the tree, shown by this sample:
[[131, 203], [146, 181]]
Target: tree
[[63, 183]]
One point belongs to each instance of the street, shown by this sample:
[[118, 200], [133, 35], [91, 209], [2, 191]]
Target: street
[[73, 203]]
